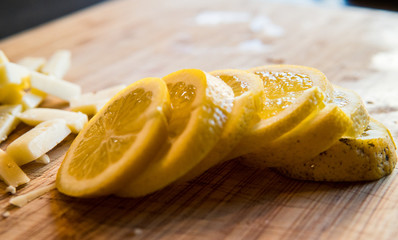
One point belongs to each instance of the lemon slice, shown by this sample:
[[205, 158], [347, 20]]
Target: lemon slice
[[200, 104], [370, 156], [118, 142], [315, 134], [292, 94], [248, 98], [351, 103], [283, 84]]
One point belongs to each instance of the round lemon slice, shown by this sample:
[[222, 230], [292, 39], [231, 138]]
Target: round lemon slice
[[200, 104], [118, 142], [370, 156], [292, 93], [248, 98]]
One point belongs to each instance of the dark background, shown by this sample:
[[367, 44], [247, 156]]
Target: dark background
[[380, 4], [18, 15]]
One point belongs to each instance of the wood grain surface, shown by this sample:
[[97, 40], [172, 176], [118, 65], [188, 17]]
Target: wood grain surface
[[123, 41]]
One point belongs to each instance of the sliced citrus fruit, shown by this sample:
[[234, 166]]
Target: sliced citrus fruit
[[370, 156], [292, 94], [315, 134], [248, 98], [351, 103], [200, 104], [118, 142], [284, 83]]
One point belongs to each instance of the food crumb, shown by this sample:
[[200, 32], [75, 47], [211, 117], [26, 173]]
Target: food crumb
[[6, 214], [275, 60], [137, 231], [11, 189], [45, 159]]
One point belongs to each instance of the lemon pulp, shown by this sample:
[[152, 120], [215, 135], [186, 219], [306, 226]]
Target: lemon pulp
[[111, 135], [181, 96], [282, 89]]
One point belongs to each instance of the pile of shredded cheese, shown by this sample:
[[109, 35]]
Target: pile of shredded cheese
[[24, 85]]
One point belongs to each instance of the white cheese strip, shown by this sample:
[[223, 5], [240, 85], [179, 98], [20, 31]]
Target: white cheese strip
[[45, 159], [7, 124], [13, 73], [11, 189], [107, 92], [91, 108], [102, 95], [38, 141], [3, 57], [91, 103], [22, 200], [58, 64], [74, 120], [11, 109], [32, 63], [32, 99], [54, 86], [8, 119], [10, 172], [6, 214]]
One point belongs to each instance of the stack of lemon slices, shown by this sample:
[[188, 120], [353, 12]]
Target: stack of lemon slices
[[158, 131]]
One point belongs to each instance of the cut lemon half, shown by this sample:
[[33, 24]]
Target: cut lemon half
[[248, 98], [118, 142], [315, 134], [370, 156], [200, 104], [292, 93], [351, 103]]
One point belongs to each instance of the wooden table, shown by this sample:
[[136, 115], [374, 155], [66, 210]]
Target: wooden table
[[123, 41]]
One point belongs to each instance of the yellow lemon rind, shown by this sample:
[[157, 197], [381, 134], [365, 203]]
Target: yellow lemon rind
[[368, 157]]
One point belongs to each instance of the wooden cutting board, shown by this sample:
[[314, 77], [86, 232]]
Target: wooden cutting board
[[123, 41]]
